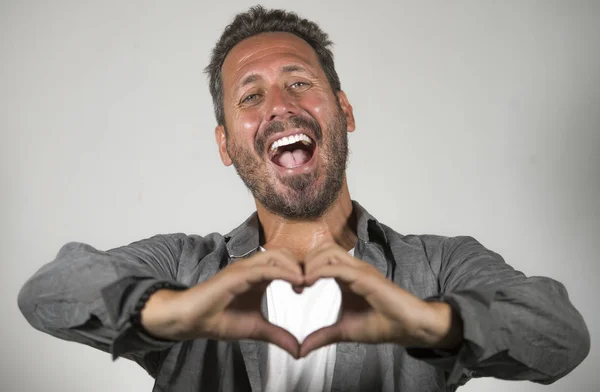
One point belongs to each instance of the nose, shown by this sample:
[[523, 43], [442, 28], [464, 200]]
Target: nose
[[281, 105]]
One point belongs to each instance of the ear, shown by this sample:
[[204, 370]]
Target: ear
[[347, 109], [221, 138]]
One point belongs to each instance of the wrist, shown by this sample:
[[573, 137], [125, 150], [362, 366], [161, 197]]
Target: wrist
[[440, 327], [446, 327], [161, 316]]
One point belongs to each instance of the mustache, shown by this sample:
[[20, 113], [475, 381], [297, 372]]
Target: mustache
[[280, 126]]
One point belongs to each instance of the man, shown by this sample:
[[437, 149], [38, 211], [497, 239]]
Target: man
[[311, 293]]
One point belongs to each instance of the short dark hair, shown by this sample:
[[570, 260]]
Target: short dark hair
[[259, 20]]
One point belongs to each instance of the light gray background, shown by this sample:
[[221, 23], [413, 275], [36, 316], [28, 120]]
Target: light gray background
[[478, 118]]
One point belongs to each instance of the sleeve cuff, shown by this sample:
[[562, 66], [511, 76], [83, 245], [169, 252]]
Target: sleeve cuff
[[121, 299], [473, 308]]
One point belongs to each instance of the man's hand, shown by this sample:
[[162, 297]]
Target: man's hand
[[228, 305], [374, 309]]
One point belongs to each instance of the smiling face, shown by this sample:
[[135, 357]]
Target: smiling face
[[286, 129]]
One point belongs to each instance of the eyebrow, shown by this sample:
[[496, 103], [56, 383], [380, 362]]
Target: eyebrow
[[254, 77], [248, 79], [292, 68]]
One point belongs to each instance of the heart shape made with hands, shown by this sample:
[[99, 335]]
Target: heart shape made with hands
[[302, 311], [350, 300], [370, 308]]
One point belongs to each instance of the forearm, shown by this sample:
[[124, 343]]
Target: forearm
[[163, 317], [442, 329]]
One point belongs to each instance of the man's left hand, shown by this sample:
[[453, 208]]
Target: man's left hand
[[374, 309]]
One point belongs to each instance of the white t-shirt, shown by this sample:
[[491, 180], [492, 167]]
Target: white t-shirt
[[301, 314]]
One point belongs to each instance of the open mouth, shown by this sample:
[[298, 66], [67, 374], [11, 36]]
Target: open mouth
[[292, 151]]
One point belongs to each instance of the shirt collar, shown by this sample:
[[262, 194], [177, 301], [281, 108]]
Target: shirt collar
[[245, 239]]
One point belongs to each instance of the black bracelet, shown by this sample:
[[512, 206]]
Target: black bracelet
[[136, 316]]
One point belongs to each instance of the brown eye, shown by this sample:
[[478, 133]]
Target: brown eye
[[298, 85], [250, 98]]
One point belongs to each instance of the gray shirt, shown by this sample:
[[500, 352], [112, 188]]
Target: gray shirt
[[515, 327]]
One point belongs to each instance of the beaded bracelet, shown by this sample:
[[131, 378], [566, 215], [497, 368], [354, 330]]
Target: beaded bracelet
[[136, 316]]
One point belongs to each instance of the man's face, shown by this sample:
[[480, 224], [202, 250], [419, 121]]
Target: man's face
[[286, 130]]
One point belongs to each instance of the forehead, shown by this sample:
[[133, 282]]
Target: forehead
[[266, 52]]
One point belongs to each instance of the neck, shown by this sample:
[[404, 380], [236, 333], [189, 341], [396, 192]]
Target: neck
[[336, 225]]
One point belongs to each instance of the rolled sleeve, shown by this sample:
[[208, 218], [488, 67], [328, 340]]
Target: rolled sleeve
[[514, 327], [88, 296], [473, 309], [120, 299]]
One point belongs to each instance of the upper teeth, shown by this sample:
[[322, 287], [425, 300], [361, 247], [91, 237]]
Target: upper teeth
[[284, 141]]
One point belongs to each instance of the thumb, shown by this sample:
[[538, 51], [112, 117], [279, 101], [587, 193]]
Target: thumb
[[320, 338], [271, 333]]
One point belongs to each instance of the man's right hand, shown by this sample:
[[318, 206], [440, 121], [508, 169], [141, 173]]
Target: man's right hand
[[228, 305]]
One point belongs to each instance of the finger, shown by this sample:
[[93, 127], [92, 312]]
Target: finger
[[279, 257], [320, 338], [330, 255], [343, 272], [361, 281], [320, 249], [249, 277], [322, 259], [298, 289], [280, 337], [268, 273]]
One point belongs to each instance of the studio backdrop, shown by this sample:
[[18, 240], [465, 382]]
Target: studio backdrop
[[477, 118]]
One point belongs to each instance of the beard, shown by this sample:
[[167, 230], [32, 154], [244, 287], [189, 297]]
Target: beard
[[304, 197]]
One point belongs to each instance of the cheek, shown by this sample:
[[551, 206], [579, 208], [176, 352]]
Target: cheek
[[314, 104], [249, 124], [321, 108], [245, 126]]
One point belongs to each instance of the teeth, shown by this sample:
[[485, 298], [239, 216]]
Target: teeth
[[284, 141]]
